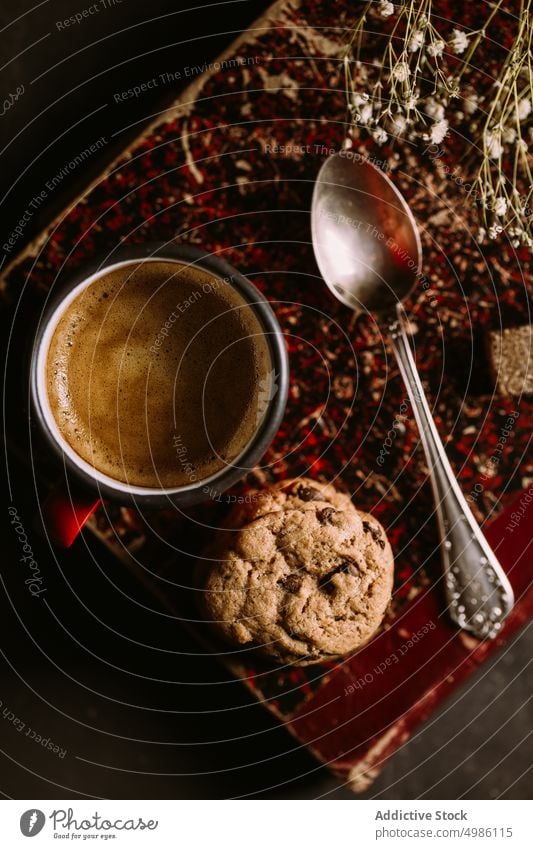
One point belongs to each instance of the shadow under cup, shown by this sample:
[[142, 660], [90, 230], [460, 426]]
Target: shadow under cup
[[203, 275]]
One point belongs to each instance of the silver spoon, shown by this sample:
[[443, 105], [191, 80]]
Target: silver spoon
[[368, 250]]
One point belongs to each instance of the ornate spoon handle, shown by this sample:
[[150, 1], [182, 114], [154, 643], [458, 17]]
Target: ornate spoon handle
[[478, 593]]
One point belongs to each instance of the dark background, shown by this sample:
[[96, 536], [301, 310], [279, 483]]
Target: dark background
[[105, 674]]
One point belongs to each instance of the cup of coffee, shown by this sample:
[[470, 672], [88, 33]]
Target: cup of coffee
[[158, 377]]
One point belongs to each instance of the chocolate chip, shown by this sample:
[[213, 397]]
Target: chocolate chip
[[291, 583], [346, 568], [308, 493], [375, 533], [325, 584], [325, 515]]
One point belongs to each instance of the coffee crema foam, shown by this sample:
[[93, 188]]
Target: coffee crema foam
[[156, 374]]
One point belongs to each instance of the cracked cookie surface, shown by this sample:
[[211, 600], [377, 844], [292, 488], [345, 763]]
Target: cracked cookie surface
[[300, 585]]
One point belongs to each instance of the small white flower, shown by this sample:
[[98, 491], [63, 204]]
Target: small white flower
[[523, 109], [364, 116], [509, 135], [471, 104], [453, 87], [401, 72], [436, 48], [397, 124], [494, 231], [434, 109], [385, 9], [459, 41], [500, 207], [379, 136], [481, 233], [493, 143], [416, 41], [411, 101], [360, 99], [522, 145], [439, 131]]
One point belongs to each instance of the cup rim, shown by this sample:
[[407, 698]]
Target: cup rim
[[194, 491]]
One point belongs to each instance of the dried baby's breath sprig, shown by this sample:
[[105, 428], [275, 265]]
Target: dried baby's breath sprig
[[408, 93], [412, 56], [504, 151]]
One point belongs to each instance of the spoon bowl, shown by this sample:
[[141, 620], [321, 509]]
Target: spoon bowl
[[365, 238]]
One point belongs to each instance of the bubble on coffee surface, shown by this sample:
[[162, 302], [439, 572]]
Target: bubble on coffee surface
[[143, 357]]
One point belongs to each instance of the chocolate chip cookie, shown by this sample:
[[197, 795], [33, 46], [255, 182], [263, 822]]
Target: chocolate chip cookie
[[300, 585]]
